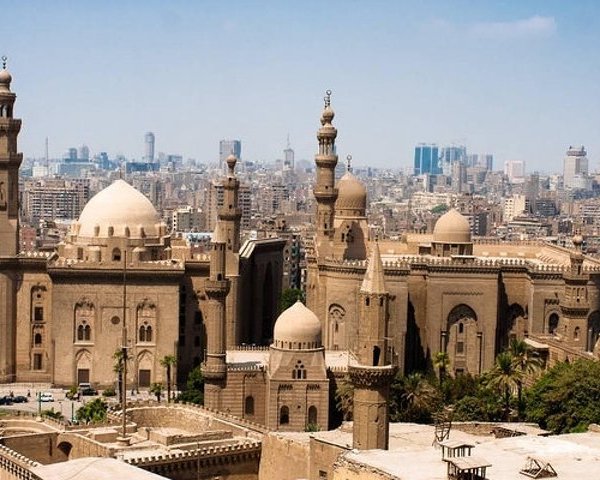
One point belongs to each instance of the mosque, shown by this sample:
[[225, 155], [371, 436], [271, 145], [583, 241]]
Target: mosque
[[373, 306], [119, 279]]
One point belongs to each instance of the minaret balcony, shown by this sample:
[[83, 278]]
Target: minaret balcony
[[216, 288], [214, 371], [371, 377]]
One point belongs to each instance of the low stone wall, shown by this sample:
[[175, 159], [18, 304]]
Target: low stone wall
[[39, 447], [345, 469], [284, 458]]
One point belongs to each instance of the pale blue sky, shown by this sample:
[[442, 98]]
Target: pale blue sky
[[519, 79]]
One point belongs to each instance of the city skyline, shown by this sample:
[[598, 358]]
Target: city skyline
[[401, 74]]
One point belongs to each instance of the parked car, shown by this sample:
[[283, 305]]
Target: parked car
[[46, 397], [20, 399], [87, 389], [6, 400]]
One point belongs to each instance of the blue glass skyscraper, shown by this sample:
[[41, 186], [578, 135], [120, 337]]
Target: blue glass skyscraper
[[426, 159]]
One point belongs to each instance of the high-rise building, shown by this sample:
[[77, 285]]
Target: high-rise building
[[84, 153], [575, 165], [149, 147], [515, 170], [229, 147], [451, 155], [288, 158], [426, 159]]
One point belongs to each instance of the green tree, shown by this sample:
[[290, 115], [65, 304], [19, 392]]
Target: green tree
[[413, 399], [289, 296], [93, 412], [441, 360], [168, 361], [156, 389], [566, 398], [344, 397], [194, 388], [505, 376], [441, 208], [526, 362]]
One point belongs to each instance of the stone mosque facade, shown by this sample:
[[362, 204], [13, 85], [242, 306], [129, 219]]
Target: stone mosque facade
[[373, 306], [62, 315]]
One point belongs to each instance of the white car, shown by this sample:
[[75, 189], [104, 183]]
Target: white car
[[46, 397]]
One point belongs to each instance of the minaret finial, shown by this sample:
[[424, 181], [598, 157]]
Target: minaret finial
[[327, 98], [4, 59], [349, 163]]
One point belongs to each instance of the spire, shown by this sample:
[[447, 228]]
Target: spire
[[374, 281], [349, 163], [231, 161], [5, 76]]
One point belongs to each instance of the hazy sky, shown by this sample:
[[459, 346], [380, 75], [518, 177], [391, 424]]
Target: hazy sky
[[519, 79]]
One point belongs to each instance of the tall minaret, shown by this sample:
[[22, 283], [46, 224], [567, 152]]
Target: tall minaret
[[230, 214], [574, 304], [326, 160], [373, 372], [216, 288], [10, 162]]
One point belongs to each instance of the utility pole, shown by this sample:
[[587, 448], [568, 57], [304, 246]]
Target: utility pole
[[124, 439]]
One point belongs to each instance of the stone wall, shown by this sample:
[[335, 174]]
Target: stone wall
[[348, 470], [39, 447], [284, 458], [323, 456]]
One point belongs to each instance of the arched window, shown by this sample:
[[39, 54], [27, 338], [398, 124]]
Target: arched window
[[461, 327], [312, 415], [552, 323], [367, 301], [249, 405], [284, 415], [299, 372], [37, 339], [116, 255], [87, 332], [80, 333], [576, 333], [376, 355], [148, 333], [142, 334]]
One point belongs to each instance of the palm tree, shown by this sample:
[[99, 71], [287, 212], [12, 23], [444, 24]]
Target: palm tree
[[524, 361], [505, 376], [441, 362], [168, 361], [118, 369]]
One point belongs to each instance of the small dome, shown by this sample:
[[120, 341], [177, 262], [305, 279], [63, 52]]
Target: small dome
[[5, 79], [121, 207], [327, 115], [352, 194], [297, 328], [452, 227]]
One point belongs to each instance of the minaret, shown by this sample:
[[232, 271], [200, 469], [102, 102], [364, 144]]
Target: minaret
[[10, 162], [326, 160], [373, 372], [230, 214], [216, 287], [574, 304]]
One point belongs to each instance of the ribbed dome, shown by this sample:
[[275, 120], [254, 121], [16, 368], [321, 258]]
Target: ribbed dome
[[297, 328], [452, 227], [352, 194], [121, 207]]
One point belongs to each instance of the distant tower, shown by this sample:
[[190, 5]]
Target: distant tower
[[149, 147], [427, 159], [373, 372], [216, 287], [230, 214], [576, 164], [84, 154], [229, 147], [288, 156], [326, 161], [574, 304], [10, 162]]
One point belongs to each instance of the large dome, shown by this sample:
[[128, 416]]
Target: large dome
[[122, 207], [297, 328], [352, 194], [452, 227]]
